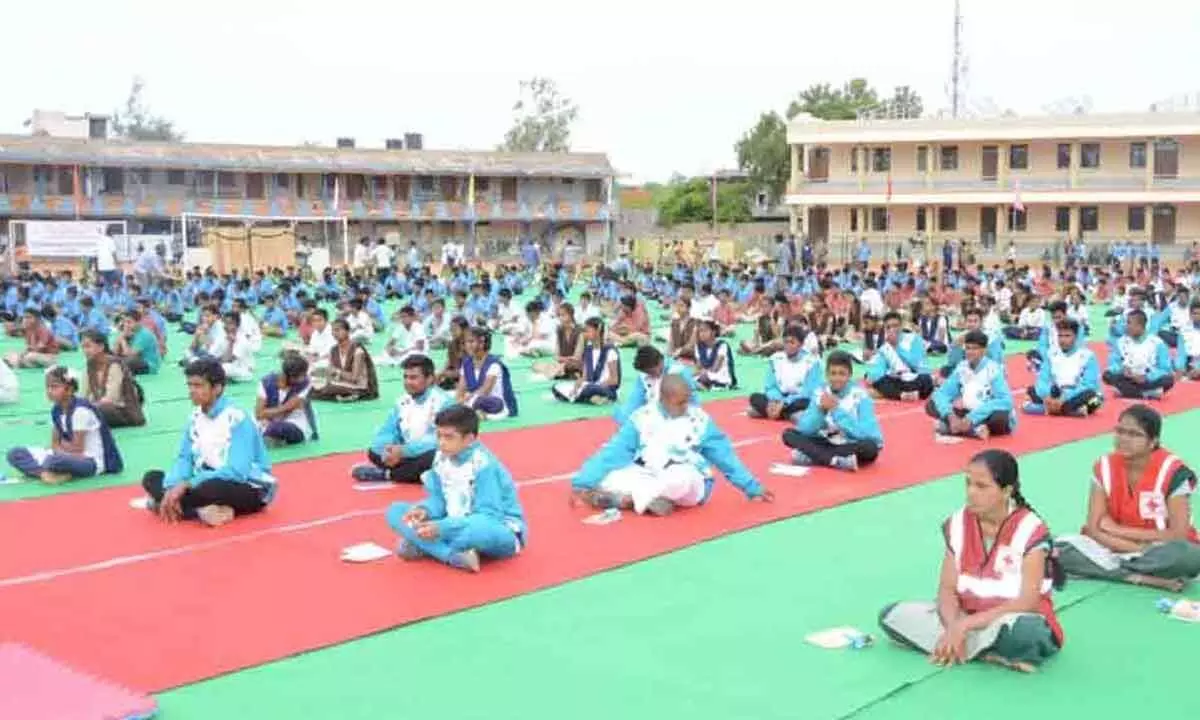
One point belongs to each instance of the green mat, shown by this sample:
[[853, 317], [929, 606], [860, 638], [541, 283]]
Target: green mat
[[716, 631]]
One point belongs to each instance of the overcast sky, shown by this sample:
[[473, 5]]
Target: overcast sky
[[662, 86]]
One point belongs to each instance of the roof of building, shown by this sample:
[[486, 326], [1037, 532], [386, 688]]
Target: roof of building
[[266, 158]]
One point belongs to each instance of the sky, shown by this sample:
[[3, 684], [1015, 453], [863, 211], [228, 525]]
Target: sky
[[662, 86]]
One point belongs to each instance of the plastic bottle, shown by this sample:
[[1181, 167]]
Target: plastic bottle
[[859, 641], [1187, 610]]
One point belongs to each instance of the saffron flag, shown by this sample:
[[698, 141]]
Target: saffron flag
[[1017, 204], [77, 191]]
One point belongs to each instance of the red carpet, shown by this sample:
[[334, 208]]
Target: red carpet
[[202, 602]]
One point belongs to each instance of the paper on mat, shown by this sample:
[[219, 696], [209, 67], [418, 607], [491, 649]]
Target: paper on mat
[[140, 503], [947, 439], [790, 470], [833, 638], [607, 517], [365, 553]]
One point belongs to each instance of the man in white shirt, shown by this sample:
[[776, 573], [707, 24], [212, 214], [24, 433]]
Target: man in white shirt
[[320, 343], [407, 338], [238, 357], [10, 386], [382, 256], [106, 259], [537, 334], [872, 300], [704, 306], [362, 253]]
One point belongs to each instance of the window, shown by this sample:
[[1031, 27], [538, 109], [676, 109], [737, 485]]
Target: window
[[425, 183], [355, 184], [568, 182], [853, 219], [176, 177], [948, 157], [1018, 157], [481, 184], [379, 187], [400, 188], [282, 180], [255, 185], [760, 201], [1089, 218], [879, 219], [1017, 220], [922, 222], [1062, 219], [1137, 156], [947, 218], [593, 192], [1137, 218], [922, 158], [1089, 155], [203, 181], [854, 159], [881, 159], [66, 181], [1064, 156]]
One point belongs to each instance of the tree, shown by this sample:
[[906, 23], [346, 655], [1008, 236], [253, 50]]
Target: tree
[[136, 122], [763, 154], [691, 201], [825, 102], [542, 119], [904, 103]]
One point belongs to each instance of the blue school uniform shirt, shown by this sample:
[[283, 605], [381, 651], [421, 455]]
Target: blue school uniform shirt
[[222, 444], [65, 329], [792, 377], [474, 482], [853, 419], [96, 320], [1075, 373], [410, 422], [995, 351], [645, 390], [653, 439], [276, 317], [1147, 355], [907, 356], [982, 388]]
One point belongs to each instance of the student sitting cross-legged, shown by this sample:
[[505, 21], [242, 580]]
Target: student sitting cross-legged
[[662, 457], [898, 370], [1068, 381], [839, 429], [471, 510], [1139, 363], [975, 400], [404, 445], [600, 370], [1187, 359], [652, 368], [994, 598], [81, 444], [1139, 527], [221, 469], [793, 374], [283, 410]]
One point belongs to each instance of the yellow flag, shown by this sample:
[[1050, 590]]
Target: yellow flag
[[471, 189]]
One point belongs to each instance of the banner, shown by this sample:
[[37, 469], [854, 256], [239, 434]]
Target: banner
[[67, 238]]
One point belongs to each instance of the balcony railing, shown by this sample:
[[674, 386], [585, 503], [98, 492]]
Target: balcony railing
[[173, 205], [876, 184]]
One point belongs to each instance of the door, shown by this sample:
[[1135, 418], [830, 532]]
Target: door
[[987, 225], [818, 165], [508, 190], [1166, 158], [818, 225], [990, 161], [1164, 225]]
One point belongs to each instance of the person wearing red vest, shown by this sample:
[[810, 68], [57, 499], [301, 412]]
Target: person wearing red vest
[[994, 596], [1139, 526]]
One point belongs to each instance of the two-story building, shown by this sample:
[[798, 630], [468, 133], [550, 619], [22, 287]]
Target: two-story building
[[423, 195], [1105, 178]]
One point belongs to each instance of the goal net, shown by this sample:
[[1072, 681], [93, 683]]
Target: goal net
[[249, 242]]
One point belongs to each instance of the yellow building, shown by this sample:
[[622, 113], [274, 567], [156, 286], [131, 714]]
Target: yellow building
[[1105, 178]]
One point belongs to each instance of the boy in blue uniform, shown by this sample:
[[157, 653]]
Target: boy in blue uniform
[[405, 445], [975, 400], [471, 509], [1068, 381], [221, 469], [652, 368], [839, 428]]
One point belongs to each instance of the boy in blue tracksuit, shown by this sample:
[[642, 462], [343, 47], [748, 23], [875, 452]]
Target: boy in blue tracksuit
[[793, 374], [975, 400], [898, 370], [652, 367], [405, 445], [221, 469], [471, 509], [1068, 382], [1139, 363], [839, 429]]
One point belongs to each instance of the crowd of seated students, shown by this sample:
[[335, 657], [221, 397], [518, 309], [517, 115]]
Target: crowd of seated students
[[814, 328]]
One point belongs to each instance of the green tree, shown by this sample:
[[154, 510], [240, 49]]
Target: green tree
[[136, 122], [763, 154], [825, 102], [542, 119], [691, 201], [904, 103]]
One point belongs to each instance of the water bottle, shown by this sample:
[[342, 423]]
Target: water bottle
[[1188, 610], [859, 641]]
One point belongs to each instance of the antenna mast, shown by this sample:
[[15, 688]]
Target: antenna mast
[[957, 69]]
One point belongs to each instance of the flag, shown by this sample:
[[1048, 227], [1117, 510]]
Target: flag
[[889, 187], [888, 201], [1017, 204], [714, 198], [337, 192], [471, 190]]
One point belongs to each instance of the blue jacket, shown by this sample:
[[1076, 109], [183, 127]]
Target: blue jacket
[[783, 372], [493, 492], [853, 416], [1088, 378], [638, 397], [1147, 355], [243, 458], [420, 437], [987, 379], [910, 348]]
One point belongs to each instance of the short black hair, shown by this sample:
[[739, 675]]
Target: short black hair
[[460, 417], [647, 358], [892, 315], [1069, 324], [294, 365], [840, 358], [419, 362], [208, 369], [978, 338]]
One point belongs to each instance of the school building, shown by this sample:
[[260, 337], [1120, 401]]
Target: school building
[[68, 168], [1105, 178]]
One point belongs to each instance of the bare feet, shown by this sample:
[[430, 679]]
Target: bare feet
[[1010, 664], [55, 478], [1170, 585], [215, 515]]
